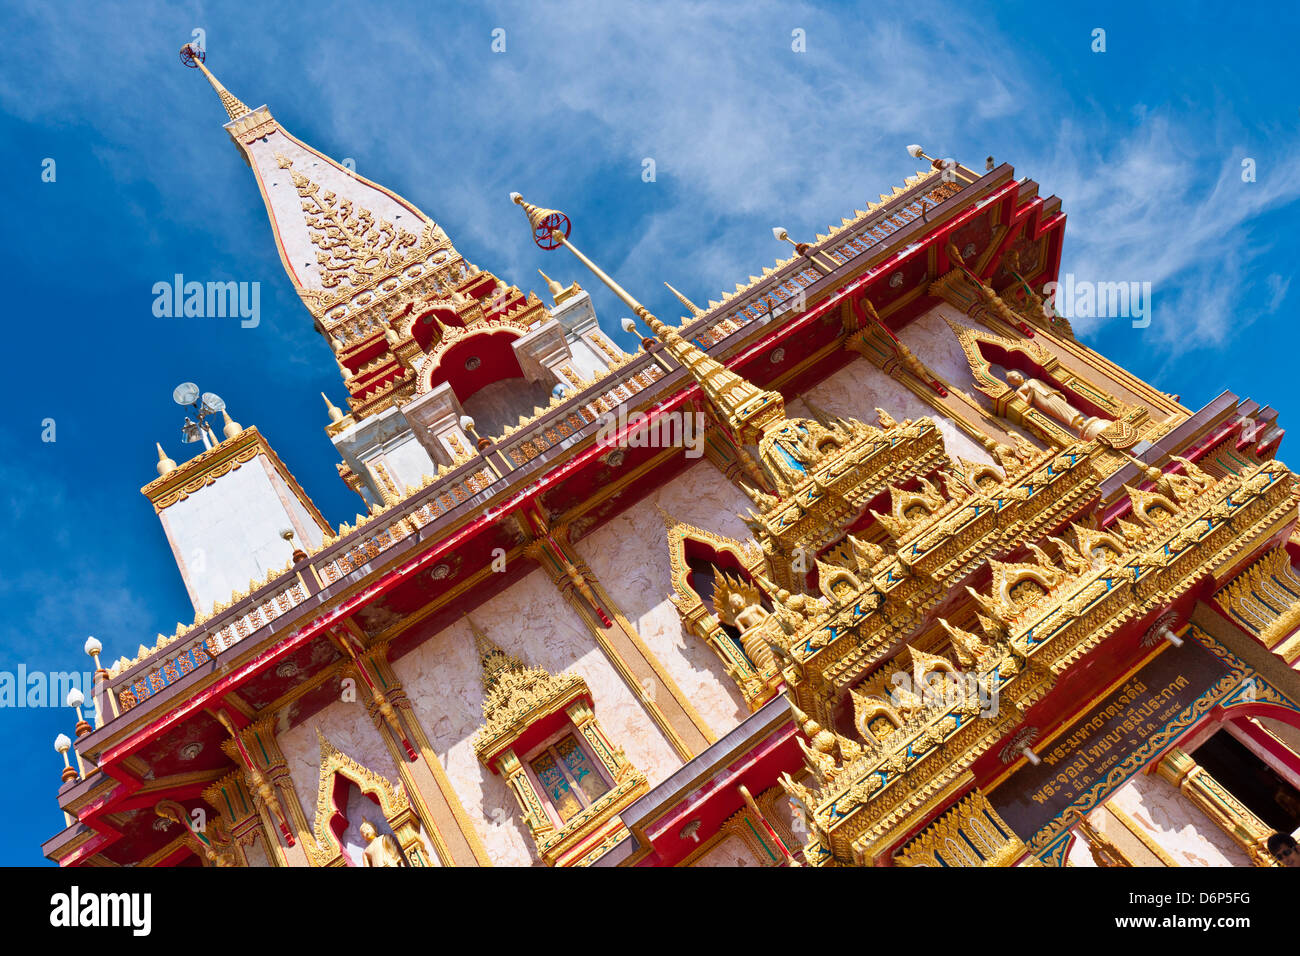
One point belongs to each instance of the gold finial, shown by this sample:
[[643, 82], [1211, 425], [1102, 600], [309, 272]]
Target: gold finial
[[193, 56], [233, 429], [335, 414], [165, 464], [558, 292], [695, 309], [747, 410], [551, 284], [546, 223]]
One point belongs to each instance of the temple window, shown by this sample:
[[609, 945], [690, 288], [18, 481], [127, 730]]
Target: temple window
[[540, 733], [568, 777]]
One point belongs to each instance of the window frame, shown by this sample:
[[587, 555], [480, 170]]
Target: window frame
[[549, 746]]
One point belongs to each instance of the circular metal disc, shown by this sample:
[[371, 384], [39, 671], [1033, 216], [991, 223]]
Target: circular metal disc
[[213, 402], [185, 393]]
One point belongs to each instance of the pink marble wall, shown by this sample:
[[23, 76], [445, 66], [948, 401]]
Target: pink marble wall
[[629, 554], [442, 679], [1176, 825]]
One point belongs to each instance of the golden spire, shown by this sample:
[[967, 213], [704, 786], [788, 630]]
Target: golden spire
[[695, 309], [335, 414], [495, 662], [165, 464], [233, 104], [747, 410]]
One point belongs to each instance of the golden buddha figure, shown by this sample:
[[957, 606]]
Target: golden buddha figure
[[381, 850], [1051, 401]]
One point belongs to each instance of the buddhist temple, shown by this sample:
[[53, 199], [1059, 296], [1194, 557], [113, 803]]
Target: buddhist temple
[[867, 562]]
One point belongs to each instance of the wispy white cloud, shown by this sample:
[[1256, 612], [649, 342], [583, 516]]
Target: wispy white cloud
[[1166, 204], [1277, 289]]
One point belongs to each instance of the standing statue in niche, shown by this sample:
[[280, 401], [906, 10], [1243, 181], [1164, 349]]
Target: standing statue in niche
[[380, 850], [738, 603], [1051, 401]]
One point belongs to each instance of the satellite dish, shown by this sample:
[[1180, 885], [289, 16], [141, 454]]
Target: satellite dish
[[212, 402], [185, 393]]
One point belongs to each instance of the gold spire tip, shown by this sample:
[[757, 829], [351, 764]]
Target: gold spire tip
[[193, 56]]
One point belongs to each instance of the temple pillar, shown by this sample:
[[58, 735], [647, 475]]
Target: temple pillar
[[1227, 812], [670, 709], [234, 804], [445, 819], [266, 777], [435, 803]]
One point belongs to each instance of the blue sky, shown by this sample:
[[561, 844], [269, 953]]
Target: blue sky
[[1144, 143]]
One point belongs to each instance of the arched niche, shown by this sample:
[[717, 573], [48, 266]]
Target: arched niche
[[349, 793], [696, 557], [483, 370]]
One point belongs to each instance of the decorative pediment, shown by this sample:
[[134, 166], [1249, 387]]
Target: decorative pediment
[[874, 717], [354, 248], [1099, 547], [790, 453], [837, 583], [516, 696], [1150, 508], [983, 476], [1017, 588]]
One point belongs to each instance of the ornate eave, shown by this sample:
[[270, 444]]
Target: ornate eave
[[867, 799]]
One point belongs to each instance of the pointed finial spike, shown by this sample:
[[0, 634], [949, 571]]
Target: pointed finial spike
[[554, 287], [165, 464], [695, 309], [193, 56], [233, 429]]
